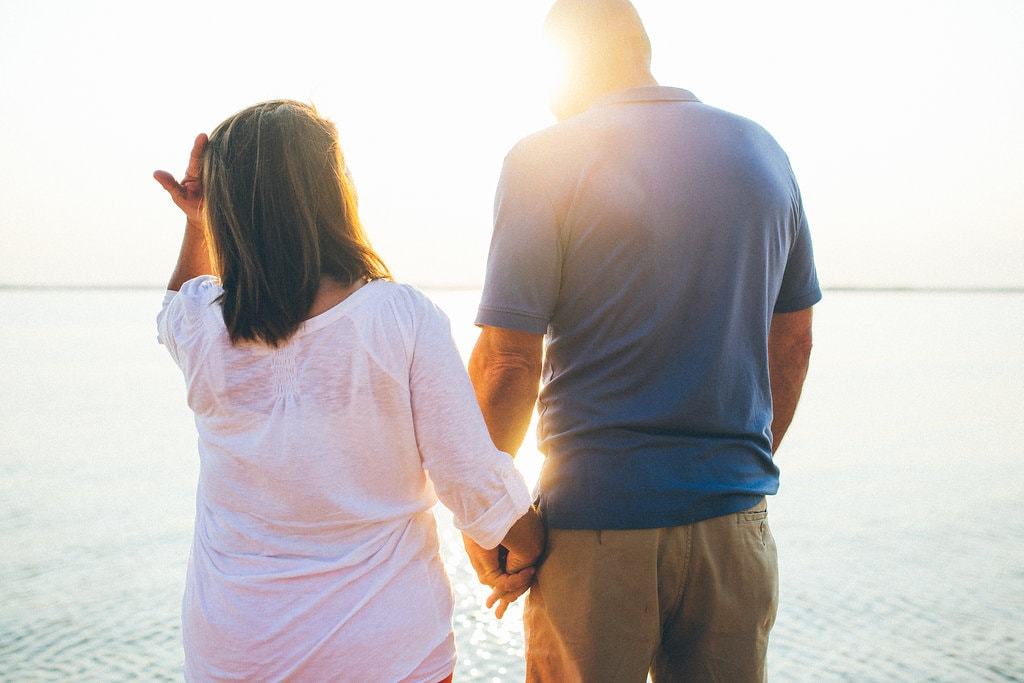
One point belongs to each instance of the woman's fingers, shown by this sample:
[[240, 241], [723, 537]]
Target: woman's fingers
[[508, 588], [498, 594], [520, 581], [168, 182], [503, 601], [191, 179], [188, 194], [195, 159]]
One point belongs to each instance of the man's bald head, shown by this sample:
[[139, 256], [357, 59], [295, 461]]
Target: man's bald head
[[600, 30], [606, 48]]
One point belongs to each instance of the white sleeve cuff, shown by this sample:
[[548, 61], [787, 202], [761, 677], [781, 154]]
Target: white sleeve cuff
[[490, 528]]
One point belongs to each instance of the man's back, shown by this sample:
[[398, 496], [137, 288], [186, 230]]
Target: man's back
[[651, 238]]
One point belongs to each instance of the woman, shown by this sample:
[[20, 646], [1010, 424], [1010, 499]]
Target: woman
[[323, 393]]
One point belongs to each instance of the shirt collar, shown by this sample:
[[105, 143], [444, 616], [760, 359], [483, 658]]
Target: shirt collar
[[651, 93]]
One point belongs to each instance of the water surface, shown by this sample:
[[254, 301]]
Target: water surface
[[898, 522]]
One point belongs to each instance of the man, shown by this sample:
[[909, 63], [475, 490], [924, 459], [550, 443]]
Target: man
[[661, 246]]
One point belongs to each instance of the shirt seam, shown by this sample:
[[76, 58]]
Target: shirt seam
[[798, 303], [405, 342], [502, 309]]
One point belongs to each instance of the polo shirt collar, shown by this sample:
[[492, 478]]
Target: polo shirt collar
[[650, 93]]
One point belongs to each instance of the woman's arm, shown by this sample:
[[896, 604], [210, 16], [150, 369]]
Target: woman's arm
[[194, 257], [472, 478]]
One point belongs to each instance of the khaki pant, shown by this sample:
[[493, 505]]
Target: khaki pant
[[685, 603]]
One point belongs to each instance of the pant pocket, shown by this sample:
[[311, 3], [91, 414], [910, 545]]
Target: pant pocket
[[754, 514], [753, 522]]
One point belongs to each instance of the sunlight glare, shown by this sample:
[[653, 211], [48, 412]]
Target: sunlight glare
[[556, 66]]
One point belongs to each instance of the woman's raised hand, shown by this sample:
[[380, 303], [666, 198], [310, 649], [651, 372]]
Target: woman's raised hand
[[188, 194]]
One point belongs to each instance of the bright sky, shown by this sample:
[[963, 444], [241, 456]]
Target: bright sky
[[904, 120]]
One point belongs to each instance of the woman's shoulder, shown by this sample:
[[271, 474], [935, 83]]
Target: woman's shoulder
[[412, 309], [201, 289], [408, 298], [186, 305]]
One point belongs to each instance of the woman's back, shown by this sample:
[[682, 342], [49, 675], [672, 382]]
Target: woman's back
[[314, 531], [301, 430]]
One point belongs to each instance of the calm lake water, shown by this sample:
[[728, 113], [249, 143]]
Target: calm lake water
[[899, 523]]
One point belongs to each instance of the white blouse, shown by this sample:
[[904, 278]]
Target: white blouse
[[315, 555]]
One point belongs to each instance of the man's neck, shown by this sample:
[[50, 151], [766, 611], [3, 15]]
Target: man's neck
[[643, 79], [624, 81]]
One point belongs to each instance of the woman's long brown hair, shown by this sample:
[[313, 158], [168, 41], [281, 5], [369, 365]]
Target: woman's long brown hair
[[281, 213]]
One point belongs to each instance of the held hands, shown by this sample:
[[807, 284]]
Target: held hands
[[188, 194], [509, 576]]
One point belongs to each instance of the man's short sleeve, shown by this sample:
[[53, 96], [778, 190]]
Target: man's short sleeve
[[524, 267], [800, 288]]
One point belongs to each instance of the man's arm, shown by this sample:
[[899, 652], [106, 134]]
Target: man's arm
[[505, 370], [789, 352]]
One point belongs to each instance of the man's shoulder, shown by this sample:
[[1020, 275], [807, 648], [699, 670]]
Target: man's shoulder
[[548, 146], [750, 129], [583, 130]]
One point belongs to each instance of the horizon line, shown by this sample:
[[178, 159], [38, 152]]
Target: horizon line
[[946, 289]]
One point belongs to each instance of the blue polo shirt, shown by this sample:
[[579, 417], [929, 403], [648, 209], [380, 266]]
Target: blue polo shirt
[[651, 238]]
